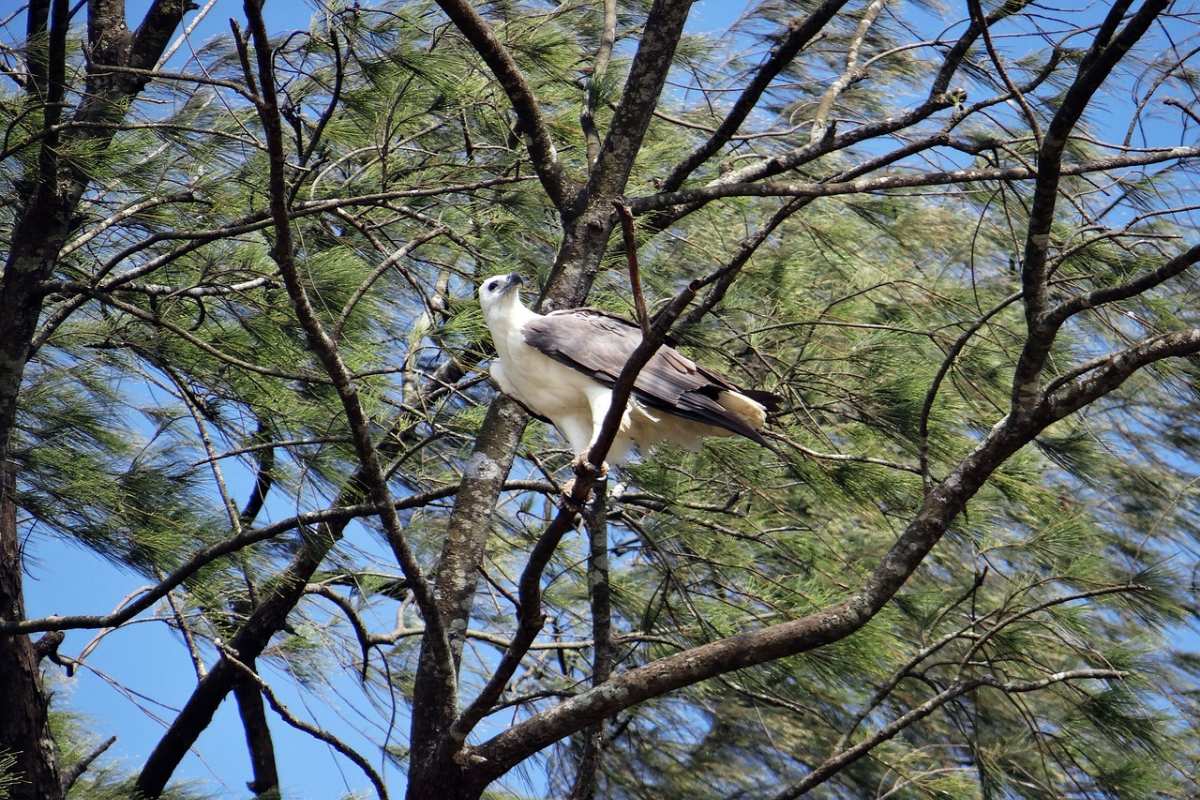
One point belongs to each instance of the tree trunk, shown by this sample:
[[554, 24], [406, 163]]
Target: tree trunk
[[24, 726], [49, 202]]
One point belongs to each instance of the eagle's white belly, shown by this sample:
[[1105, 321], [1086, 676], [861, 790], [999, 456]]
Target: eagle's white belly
[[547, 387], [577, 403]]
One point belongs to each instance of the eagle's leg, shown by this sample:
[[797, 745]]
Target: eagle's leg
[[581, 462], [599, 399], [576, 429]]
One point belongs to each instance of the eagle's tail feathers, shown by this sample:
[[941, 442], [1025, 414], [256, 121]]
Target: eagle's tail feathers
[[748, 410]]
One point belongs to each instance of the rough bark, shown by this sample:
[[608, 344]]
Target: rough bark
[[462, 554], [50, 198], [23, 725]]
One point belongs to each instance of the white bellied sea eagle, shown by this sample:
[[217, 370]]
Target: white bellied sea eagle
[[561, 366]]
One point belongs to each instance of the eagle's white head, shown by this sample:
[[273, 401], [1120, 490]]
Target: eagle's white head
[[499, 296]]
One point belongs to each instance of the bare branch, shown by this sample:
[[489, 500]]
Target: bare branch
[[587, 118], [820, 123], [211, 553], [79, 767], [800, 33], [312, 730], [1111, 294], [1093, 70], [641, 205]]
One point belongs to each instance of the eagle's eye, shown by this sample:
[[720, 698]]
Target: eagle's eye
[[492, 285]]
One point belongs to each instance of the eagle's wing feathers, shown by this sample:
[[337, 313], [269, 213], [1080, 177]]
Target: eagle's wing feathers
[[599, 344]]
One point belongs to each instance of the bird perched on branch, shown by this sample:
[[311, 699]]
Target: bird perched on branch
[[561, 366]]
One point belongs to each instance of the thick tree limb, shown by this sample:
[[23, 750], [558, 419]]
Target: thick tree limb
[[47, 206], [647, 73], [1093, 70], [258, 735], [941, 506]]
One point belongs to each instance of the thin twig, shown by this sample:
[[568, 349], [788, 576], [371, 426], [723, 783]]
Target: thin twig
[[312, 730], [635, 275]]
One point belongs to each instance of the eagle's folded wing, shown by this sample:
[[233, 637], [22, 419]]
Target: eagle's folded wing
[[599, 344]]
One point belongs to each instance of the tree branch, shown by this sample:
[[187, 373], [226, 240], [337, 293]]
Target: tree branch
[[537, 137], [81, 766], [312, 730], [836, 763], [587, 118], [641, 205], [326, 349], [204, 557], [800, 33], [1093, 70], [647, 73]]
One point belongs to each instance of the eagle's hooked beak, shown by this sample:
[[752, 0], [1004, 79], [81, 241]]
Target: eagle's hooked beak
[[514, 280]]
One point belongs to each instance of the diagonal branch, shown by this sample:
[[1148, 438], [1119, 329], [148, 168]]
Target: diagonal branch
[[530, 618], [587, 118], [837, 762], [206, 556], [820, 123], [1093, 70], [631, 119], [326, 350], [1101, 376], [800, 33], [1111, 294], [940, 506], [312, 730], [537, 136], [79, 767], [654, 202]]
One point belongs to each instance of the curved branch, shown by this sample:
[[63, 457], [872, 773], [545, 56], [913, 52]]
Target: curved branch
[[310, 729], [941, 505]]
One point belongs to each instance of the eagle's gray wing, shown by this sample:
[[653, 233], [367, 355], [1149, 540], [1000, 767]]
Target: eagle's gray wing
[[599, 344]]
